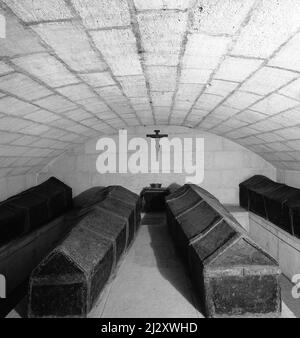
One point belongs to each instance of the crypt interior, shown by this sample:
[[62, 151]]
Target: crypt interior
[[131, 241]]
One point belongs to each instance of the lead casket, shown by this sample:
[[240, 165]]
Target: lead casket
[[276, 202], [71, 279], [233, 276]]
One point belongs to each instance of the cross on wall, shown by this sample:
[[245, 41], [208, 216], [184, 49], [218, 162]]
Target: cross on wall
[[157, 136]]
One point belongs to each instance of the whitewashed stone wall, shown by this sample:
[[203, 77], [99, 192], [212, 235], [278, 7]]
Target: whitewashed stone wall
[[10, 186], [226, 165]]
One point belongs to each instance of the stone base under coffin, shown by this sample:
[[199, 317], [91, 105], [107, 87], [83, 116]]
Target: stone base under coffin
[[232, 275]]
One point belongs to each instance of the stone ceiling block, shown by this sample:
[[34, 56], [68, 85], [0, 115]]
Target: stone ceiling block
[[42, 116], [43, 143], [121, 108], [291, 133], [250, 116], [162, 36], [222, 88], [188, 92], [62, 123], [288, 118], [267, 80], [162, 78], [271, 137], [111, 94], [159, 111], [294, 144], [203, 51], [35, 129], [77, 115], [54, 133], [261, 37], [208, 101], [186, 95], [94, 105], [47, 69], [98, 14], [18, 39], [22, 86], [275, 104], [209, 16], [25, 140], [237, 69], [13, 124], [79, 129], [70, 43], [289, 56], [163, 4], [225, 111], [56, 103], [12, 106], [98, 79], [133, 86], [8, 137], [162, 98], [77, 92], [266, 126], [292, 90], [4, 68], [90, 122], [39, 10], [198, 76], [242, 100], [197, 114], [6, 150], [119, 50]]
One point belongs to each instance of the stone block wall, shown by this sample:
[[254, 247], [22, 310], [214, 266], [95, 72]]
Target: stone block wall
[[226, 164]]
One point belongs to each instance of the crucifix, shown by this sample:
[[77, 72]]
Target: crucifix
[[157, 136]]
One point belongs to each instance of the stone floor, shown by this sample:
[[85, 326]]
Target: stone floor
[[151, 281]]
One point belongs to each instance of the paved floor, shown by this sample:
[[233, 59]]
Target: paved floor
[[151, 281]]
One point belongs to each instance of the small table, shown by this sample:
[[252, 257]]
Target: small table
[[154, 199]]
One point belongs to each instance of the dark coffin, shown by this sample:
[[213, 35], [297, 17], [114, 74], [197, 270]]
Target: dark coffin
[[90, 197], [273, 201], [294, 214], [121, 210], [12, 223], [153, 199], [256, 197], [129, 198], [69, 281], [34, 207], [110, 227], [58, 194], [244, 189], [232, 275], [278, 208]]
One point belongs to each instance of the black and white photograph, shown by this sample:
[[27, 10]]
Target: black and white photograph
[[149, 162]]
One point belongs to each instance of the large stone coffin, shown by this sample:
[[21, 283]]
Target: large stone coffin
[[31, 209], [276, 202], [71, 279], [233, 276]]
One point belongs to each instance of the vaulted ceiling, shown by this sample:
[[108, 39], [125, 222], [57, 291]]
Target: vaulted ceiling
[[75, 69]]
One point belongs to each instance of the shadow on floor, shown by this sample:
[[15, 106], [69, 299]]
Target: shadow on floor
[[17, 301], [169, 263]]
